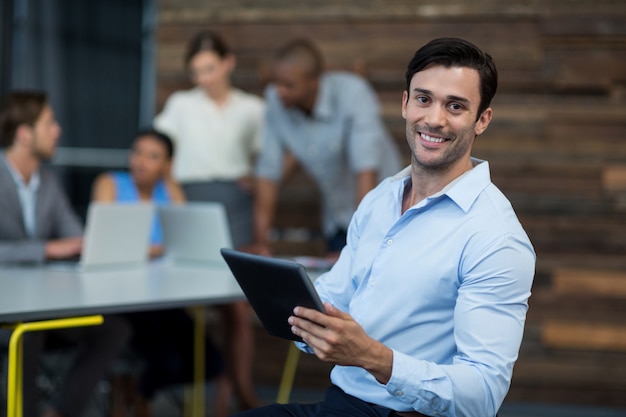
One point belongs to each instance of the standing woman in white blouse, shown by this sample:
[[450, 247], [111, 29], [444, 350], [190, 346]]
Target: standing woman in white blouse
[[217, 130]]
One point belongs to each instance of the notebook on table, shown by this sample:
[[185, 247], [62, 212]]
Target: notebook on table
[[116, 236], [194, 233], [273, 287]]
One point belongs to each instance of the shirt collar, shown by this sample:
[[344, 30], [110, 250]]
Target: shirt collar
[[32, 185], [463, 190]]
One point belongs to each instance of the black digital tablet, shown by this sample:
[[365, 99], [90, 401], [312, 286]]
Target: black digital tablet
[[273, 287]]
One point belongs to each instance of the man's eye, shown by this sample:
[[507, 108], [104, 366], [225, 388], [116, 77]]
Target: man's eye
[[456, 107], [422, 99]]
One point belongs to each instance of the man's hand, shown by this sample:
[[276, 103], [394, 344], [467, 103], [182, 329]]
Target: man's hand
[[64, 248], [336, 337]]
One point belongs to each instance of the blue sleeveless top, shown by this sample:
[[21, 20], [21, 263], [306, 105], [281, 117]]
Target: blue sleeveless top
[[126, 192]]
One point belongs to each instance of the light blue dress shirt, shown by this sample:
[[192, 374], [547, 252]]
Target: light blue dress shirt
[[344, 136], [445, 286], [27, 194]]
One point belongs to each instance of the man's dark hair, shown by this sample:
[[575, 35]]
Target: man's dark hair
[[454, 52], [161, 137], [18, 108], [303, 51], [206, 41]]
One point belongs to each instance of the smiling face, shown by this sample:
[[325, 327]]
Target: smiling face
[[441, 118]]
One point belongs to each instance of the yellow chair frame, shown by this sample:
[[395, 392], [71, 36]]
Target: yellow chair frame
[[15, 356]]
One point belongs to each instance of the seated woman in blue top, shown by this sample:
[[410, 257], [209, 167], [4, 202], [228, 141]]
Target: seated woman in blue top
[[167, 355], [148, 179]]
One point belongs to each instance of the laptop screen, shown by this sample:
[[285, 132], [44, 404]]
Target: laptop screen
[[195, 232]]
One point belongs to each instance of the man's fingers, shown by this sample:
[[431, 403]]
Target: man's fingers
[[323, 319], [306, 325], [310, 314]]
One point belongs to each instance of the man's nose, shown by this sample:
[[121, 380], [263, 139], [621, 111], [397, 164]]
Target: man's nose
[[435, 116]]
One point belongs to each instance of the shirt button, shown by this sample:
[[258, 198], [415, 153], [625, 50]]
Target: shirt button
[[398, 393], [389, 242]]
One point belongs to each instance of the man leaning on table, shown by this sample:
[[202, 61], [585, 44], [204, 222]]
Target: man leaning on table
[[37, 224], [330, 124], [425, 307]]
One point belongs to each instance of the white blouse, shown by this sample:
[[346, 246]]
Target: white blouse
[[212, 142]]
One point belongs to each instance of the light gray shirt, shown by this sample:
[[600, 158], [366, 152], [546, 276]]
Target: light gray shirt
[[27, 194], [345, 135]]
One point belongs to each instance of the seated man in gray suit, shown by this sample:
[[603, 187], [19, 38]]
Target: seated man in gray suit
[[37, 223]]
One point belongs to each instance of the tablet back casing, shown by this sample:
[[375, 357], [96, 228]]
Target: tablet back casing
[[273, 287]]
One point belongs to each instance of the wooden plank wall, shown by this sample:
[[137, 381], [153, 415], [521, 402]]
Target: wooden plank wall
[[557, 140]]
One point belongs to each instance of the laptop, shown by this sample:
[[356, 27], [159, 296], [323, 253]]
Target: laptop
[[274, 287], [194, 233], [116, 235]]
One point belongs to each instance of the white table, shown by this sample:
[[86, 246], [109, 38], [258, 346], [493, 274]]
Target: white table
[[30, 294], [36, 293]]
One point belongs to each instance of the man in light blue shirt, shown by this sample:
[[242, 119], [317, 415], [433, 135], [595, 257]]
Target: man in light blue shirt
[[425, 308], [331, 124]]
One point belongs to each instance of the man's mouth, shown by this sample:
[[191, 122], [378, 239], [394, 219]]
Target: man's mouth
[[432, 139]]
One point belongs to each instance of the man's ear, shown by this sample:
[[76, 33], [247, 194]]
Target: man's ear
[[483, 121], [23, 134], [405, 97]]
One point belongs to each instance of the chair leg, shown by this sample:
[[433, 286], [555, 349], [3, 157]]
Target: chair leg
[[15, 357], [194, 400], [289, 373]]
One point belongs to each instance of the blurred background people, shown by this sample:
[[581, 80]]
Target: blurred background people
[[330, 124], [217, 130], [38, 224]]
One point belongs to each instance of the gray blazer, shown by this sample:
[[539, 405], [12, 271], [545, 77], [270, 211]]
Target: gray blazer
[[55, 218]]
